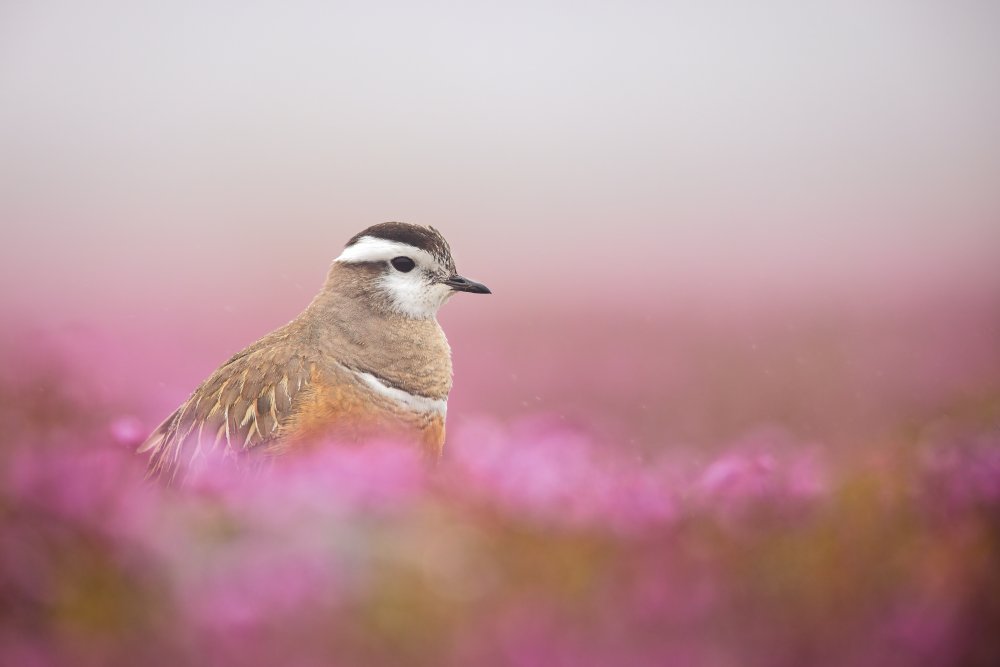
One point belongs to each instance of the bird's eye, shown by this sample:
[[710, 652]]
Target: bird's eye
[[404, 264]]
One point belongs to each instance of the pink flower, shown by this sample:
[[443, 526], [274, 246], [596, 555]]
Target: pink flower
[[127, 430]]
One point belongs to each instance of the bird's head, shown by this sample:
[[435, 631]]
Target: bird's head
[[405, 268]]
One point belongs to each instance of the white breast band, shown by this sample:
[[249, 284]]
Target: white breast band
[[404, 398]]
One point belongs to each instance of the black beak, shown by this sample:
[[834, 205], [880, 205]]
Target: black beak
[[460, 284]]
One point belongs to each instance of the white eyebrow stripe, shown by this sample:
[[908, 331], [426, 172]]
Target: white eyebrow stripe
[[404, 398], [371, 249]]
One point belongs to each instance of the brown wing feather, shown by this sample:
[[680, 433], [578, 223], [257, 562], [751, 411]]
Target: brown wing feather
[[242, 405]]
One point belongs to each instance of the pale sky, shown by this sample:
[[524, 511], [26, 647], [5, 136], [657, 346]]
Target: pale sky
[[785, 139]]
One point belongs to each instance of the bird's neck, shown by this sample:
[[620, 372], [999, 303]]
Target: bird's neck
[[358, 331]]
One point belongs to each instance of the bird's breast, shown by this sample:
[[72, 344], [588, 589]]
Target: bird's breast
[[348, 406]]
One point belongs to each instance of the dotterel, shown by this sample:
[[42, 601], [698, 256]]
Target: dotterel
[[366, 358]]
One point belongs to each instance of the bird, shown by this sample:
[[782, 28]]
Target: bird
[[365, 359]]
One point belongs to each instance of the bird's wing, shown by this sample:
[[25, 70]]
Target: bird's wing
[[242, 405]]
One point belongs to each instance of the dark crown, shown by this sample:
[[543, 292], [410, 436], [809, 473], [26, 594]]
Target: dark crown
[[425, 238]]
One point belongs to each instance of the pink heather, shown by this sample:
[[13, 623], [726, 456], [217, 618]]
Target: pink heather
[[858, 529]]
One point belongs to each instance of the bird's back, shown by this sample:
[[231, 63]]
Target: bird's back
[[247, 403]]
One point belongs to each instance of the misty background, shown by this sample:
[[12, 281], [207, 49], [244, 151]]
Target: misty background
[[565, 149]]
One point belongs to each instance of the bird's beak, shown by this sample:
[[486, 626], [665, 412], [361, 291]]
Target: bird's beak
[[461, 284]]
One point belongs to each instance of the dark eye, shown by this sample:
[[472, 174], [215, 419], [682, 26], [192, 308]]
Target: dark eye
[[404, 264]]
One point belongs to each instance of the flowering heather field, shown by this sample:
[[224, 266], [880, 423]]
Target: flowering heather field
[[742, 489]]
